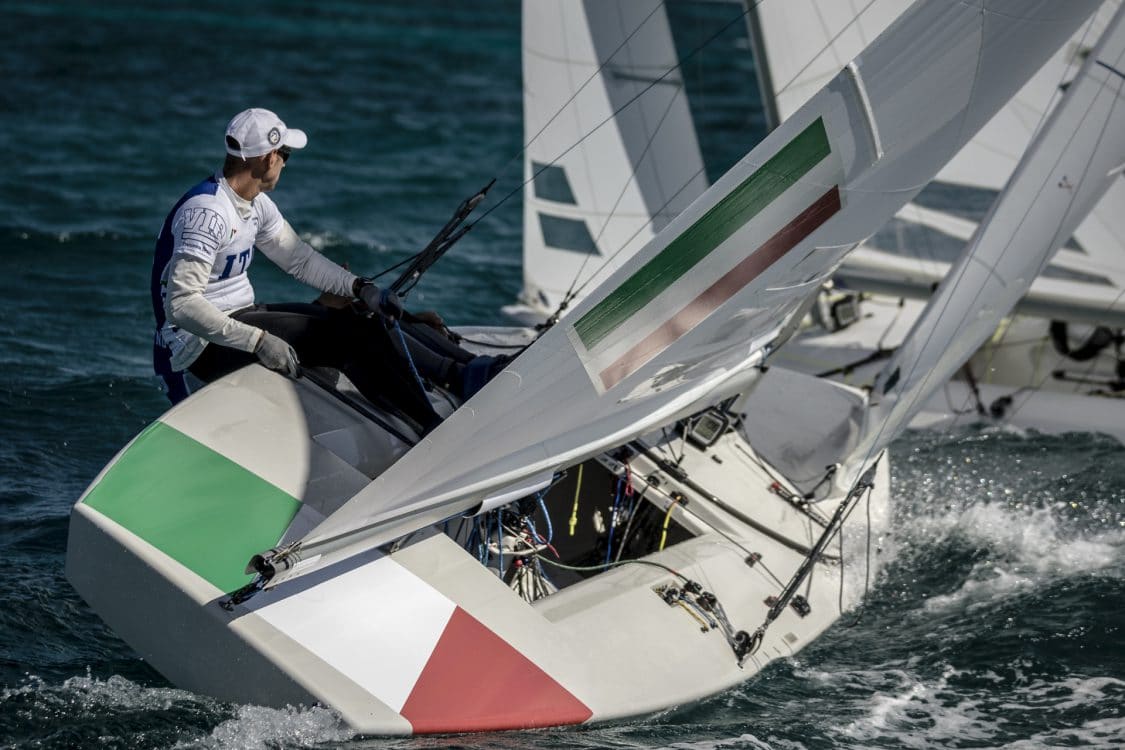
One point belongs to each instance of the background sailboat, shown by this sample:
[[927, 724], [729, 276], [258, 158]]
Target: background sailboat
[[1083, 284], [1067, 169]]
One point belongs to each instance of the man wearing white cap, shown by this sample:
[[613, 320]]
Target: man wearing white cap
[[207, 322]]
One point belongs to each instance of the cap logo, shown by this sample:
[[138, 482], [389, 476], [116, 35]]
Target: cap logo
[[274, 136]]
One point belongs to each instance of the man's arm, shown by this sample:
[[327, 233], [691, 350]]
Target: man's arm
[[186, 307], [298, 259]]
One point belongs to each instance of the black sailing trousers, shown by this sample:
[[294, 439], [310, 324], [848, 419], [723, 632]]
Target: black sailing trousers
[[361, 347]]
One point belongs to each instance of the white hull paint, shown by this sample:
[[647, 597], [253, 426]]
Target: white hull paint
[[1013, 373]]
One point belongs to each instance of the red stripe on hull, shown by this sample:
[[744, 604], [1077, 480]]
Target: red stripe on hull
[[722, 290], [475, 681]]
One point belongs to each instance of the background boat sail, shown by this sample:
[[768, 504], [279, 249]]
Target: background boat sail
[[678, 327]]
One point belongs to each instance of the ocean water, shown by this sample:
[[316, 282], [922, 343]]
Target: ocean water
[[996, 621]]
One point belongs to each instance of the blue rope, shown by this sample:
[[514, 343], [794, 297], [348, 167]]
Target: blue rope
[[472, 539], [546, 515], [483, 548], [534, 533], [409, 359], [499, 545], [613, 518]]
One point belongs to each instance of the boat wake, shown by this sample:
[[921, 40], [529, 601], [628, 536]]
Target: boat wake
[[85, 711]]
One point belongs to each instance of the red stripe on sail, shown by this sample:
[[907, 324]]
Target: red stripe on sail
[[722, 290], [476, 681]]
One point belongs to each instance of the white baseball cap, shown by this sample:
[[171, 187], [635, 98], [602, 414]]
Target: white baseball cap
[[255, 132]]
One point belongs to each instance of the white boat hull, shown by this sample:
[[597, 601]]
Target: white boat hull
[[423, 638]]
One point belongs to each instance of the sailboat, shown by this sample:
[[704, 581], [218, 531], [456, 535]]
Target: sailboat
[[1056, 364], [634, 514]]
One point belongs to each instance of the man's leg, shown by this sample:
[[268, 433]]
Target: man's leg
[[358, 347]]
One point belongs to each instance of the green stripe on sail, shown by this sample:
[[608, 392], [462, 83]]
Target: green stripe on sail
[[195, 505], [742, 204]]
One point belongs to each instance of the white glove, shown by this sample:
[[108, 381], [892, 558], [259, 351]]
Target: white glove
[[276, 354], [384, 300]]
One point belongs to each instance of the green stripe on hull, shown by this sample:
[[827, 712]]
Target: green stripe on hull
[[742, 204], [195, 505]]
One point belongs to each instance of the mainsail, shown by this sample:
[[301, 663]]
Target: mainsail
[[685, 319], [1069, 166], [611, 152]]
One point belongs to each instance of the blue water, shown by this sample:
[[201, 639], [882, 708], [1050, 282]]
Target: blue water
[[997, 621]]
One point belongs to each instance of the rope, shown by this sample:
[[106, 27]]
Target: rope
[[574, 510], [409, 359], [546, 515], [613, 520], [606, 566], [667, 521]]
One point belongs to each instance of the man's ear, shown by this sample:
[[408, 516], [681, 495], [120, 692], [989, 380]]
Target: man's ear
[[259, 165]]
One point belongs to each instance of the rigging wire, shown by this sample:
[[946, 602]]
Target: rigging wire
[[608, 565], [613, 116], [866, 570], [620, 196]]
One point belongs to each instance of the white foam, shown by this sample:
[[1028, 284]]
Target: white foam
[[745, 740], [916, 712], [252, 728], [1098, 734], [1027, 549], [916, 716], [258, 728], [91, 694]]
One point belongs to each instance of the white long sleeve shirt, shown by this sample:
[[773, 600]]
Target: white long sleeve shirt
[[204, 252]]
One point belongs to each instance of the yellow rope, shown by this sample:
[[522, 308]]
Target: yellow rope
[[574, 510], [667, 520], [693, 613]]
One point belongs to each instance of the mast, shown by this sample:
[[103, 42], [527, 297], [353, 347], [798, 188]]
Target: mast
[[762, 67]]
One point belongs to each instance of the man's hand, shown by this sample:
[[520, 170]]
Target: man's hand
[[383, 300], [276, 354]]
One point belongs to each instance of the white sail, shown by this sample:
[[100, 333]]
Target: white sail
[[1067, 169], [596, 193], [686, 318], [804, 43], [913, 254]]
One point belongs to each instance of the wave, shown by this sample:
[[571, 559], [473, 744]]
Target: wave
[[87, 711]]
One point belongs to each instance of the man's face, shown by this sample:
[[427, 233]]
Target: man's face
[[275, 162]]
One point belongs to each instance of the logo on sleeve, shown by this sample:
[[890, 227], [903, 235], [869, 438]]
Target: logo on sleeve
[[204, 227]]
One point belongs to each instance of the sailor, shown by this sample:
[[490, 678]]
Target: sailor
[[208, 322]]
